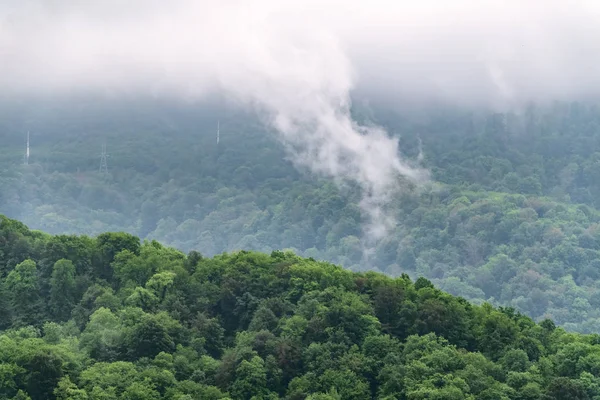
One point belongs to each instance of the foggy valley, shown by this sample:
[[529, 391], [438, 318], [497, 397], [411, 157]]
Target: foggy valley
[[299, 200]]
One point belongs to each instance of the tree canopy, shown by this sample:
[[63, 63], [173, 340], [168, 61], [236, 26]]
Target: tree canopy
[[145, 321], [509, 218]]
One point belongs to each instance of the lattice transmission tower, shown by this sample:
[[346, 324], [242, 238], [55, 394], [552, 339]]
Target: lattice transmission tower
[[103, 158], [27, 150], [218, 131]]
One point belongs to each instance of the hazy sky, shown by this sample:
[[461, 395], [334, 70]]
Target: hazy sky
[[465, 51], [298, 61]]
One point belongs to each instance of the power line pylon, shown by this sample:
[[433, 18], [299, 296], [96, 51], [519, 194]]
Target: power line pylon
[[218, 131], [27, 150], [103, 158]]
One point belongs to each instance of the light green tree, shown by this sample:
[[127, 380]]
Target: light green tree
[[62, 289]]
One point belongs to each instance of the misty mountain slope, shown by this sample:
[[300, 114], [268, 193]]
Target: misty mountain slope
[[532, 253], [500, 221], [112, 318]]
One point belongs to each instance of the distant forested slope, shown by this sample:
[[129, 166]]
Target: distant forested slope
[[112, 318], [510, 216]]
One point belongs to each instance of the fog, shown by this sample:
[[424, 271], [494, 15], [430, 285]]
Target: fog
[[465, 51], [298, 62]]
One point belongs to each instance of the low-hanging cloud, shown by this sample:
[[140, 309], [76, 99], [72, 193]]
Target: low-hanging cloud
[[297, 63]]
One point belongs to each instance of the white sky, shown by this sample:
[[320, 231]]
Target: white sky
[[461, 50]]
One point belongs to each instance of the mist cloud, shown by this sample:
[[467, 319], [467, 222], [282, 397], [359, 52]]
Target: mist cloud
[[467, 51], [297, 62]]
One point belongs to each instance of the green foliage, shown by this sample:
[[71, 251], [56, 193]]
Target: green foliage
[[510, 218], [22, 286], [248, 325], [62, 289]]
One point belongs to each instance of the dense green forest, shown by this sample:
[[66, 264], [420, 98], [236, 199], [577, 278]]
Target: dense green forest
[[110, 317], [510, 215]]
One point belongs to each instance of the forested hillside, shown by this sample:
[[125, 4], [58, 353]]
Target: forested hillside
[[510, 215], [112, 318]]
